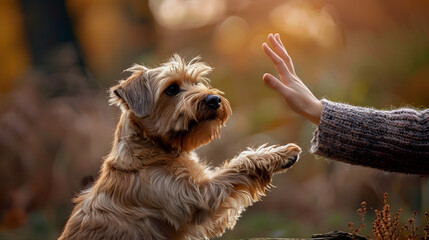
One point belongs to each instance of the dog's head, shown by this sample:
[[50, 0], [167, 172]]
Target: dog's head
[[173, 104]]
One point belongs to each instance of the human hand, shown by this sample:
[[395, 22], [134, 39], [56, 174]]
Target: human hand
[[292, 89]]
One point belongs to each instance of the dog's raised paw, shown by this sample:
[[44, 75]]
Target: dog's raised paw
[[290, 155]]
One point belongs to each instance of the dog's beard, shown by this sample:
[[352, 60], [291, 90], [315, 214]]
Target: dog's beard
[[197, 133], [202, 129]]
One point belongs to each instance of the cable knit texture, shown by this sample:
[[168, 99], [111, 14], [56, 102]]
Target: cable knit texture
[[396, 141]]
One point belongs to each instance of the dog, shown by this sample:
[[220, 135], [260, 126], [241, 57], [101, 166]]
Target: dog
[[152, 185]]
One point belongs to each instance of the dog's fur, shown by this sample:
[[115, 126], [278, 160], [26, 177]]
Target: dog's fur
[[152, 185]]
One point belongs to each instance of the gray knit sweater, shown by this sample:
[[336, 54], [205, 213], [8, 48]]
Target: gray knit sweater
[[396, 141]]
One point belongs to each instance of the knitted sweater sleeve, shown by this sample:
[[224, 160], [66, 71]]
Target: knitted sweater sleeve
[[396, 141]]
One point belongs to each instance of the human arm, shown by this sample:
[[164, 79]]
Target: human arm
[[395, 140]]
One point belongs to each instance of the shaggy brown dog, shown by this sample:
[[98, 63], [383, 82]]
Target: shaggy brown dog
[[152, 185]]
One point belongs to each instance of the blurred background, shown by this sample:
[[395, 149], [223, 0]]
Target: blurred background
[[58, 58]]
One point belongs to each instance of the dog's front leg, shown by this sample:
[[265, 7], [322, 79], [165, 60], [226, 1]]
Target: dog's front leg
[[241, 182]]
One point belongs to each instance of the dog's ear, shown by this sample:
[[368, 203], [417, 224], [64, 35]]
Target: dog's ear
[[133, 94]]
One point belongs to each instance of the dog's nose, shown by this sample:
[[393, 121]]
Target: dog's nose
[[213, 101]]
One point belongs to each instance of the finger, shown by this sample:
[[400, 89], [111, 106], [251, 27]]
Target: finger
[[279, 41], [277, 37], [281, 51], [278, 62], [276, 84]]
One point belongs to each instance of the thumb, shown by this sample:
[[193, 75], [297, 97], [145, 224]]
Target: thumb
[[275, 84]]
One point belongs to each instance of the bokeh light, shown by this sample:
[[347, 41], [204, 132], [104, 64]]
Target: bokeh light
[[186, 14], [303, 20]]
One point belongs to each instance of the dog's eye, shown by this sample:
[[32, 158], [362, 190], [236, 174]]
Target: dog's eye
[[172, 90]]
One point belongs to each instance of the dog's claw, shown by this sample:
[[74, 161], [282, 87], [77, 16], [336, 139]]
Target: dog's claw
[[292, 160]]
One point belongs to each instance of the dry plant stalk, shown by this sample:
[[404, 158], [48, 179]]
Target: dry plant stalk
[[361, 211], [412, 229], [384, 227], [426, 228]]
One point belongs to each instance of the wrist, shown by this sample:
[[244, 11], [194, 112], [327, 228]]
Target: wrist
[[316, 112]]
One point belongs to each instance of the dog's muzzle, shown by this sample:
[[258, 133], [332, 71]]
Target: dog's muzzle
[[213, 101]]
